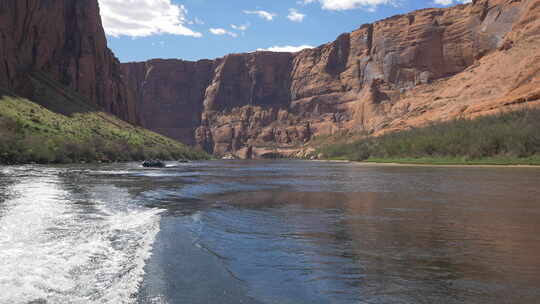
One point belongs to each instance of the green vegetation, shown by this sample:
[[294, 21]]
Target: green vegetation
[[32, 133], [505, 139]]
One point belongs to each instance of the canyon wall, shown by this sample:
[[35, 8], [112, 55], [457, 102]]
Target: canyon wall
[[407, 70], [60, 45]]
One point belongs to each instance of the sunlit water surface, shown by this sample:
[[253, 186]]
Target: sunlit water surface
[[269, 232]]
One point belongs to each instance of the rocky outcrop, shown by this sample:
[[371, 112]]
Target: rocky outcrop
[[407, 70], [63, 41]]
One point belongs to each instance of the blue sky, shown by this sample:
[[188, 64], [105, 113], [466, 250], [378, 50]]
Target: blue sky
[[139, 30]]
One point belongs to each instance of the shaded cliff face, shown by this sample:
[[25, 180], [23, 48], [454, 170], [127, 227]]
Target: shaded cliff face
[[247, 93], [169, 95], [60, 41], [408, 70]]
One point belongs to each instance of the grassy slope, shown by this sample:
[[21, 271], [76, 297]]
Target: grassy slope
[[32, 133], [505, 139]]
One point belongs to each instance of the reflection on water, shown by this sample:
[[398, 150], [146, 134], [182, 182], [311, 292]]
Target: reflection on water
[[269, 232], [377, 247]]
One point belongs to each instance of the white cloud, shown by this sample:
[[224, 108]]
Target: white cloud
[[242, 27], [287, 48], [198, 21], [370, 5], [221, 31], [295, 16], [141, 18], [263, 14], [451, 2], [160, 43], [341, 5]]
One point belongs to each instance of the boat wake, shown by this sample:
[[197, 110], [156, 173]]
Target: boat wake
[[61, 247]]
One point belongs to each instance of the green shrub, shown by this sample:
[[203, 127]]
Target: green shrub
[[31, 133], [510, 135]]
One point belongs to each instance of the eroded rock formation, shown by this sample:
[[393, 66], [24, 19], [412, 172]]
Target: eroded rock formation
[[407, 70], [60, 45]]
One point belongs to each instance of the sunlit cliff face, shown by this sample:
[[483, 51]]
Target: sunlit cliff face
[[408, 70]]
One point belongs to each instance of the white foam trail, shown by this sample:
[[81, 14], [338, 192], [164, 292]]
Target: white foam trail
[[54, 250]]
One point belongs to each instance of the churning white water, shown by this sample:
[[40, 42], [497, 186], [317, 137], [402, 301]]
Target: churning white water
[[58, 245]]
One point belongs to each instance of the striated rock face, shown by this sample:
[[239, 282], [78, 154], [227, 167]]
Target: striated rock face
[[64, 42], [169, 95], [407, 70], [248, 92]]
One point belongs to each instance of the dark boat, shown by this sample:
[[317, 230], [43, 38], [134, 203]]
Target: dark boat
[[153, 164]]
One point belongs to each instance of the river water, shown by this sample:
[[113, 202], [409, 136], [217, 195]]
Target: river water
[[269, 232]]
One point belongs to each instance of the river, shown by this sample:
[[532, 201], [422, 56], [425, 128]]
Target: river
[[269, 232]]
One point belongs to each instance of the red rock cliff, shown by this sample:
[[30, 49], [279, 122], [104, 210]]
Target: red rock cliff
[[169, 95], [407, 70], [63, 41]]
